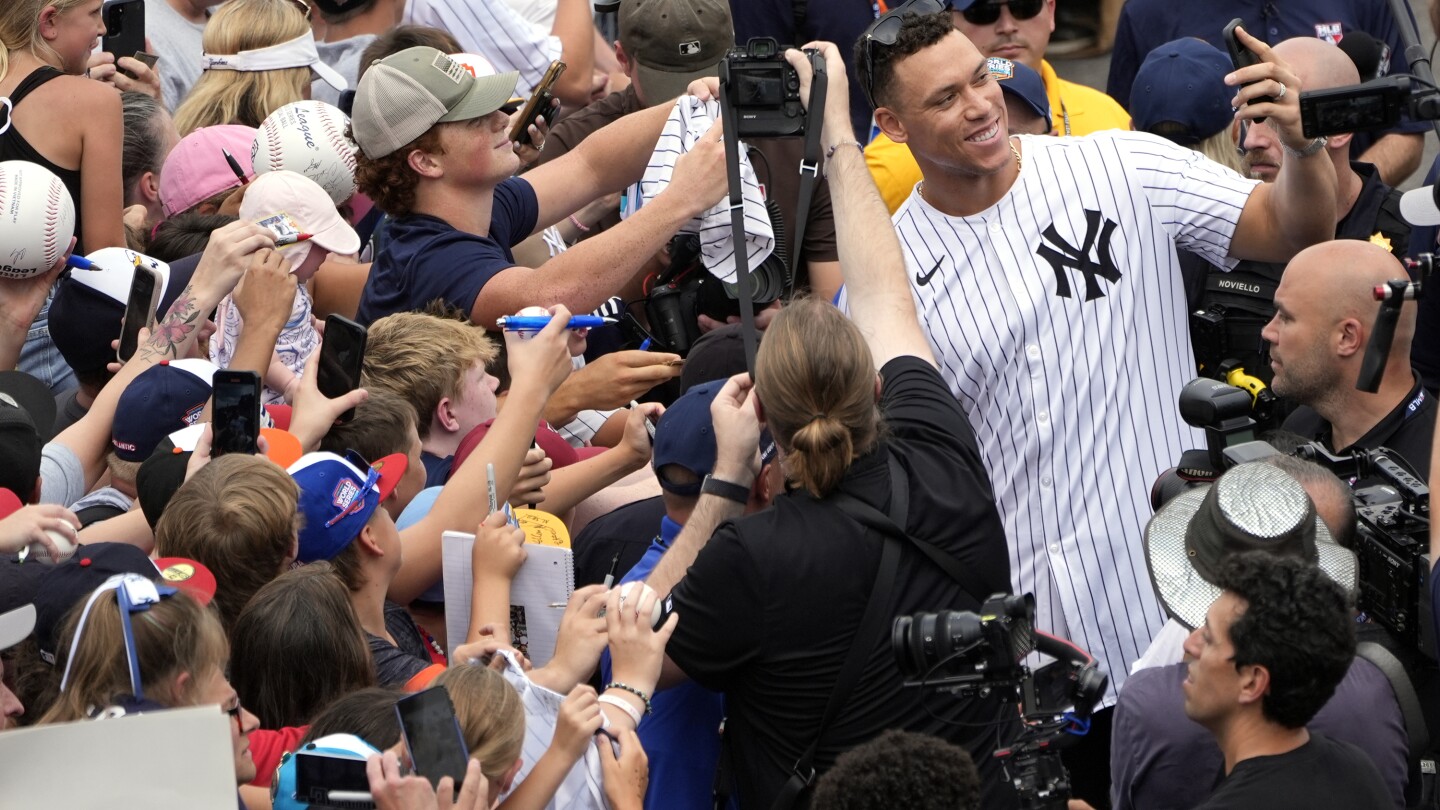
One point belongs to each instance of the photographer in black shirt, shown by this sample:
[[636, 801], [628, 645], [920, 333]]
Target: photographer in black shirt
[[772, 603], [1324, 316]]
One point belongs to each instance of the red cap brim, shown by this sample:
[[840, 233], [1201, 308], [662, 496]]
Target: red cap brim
[[391, 468], [9, 503], [189, 576]]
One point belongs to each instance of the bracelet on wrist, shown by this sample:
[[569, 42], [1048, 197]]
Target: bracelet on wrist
[[619, 703], [625, 687], [1307, 150], [580, 226]]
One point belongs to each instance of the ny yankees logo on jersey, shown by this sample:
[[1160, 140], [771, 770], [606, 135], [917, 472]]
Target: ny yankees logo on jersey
[[1062, 255]]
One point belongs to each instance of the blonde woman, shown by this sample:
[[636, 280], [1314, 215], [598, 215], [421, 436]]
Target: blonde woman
[[54, 116], [258, 57]]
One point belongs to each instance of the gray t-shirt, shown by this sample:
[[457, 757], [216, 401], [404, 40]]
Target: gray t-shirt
[[62, 476], [344, 57], [176, 41]]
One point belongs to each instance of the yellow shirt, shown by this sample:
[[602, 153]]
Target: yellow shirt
[[1074, 110]]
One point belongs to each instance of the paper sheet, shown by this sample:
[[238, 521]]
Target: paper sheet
[[547, 578]]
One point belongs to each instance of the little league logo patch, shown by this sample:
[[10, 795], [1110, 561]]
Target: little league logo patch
[[345, 493], [1331, 32], [1000, 68]]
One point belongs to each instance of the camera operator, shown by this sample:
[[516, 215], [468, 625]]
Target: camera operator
[[1157, 759], [1325, 314], [773, 601], [1270, 653], [663, 46], [1366, 209]]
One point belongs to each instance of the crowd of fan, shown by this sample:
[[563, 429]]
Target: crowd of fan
[[300, 589]]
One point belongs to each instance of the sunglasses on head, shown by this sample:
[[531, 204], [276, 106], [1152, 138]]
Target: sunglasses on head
[[986, 12], [884, 31]]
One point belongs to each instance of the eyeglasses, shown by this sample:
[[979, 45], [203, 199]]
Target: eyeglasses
[[885, 30], [986, 12], [234, 712]]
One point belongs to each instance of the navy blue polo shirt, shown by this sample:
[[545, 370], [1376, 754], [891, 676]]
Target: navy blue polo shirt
[[425, 258], [1147, 24]]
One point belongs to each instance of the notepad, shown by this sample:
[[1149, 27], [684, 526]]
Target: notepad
[[547, 577]]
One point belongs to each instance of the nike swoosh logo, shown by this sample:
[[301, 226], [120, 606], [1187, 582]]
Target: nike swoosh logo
[[923, 279]]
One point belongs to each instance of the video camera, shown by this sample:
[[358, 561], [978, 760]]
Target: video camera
[[969, 653], [1392, 539]]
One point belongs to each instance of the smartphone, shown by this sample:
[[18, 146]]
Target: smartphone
[[538, 105], [235, 417], [124, 28], [139, 310], [318, 775], [1243, 57], [432, 734], [342, 356]]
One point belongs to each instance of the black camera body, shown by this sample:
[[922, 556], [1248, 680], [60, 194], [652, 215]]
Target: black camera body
[[764, 90], [980, 653]]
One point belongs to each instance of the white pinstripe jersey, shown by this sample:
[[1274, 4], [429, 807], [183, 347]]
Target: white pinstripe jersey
[[494, 30], [1058, 318]]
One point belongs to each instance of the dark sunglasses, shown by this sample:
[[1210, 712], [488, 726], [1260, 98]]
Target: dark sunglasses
[[985, 12], [885, 30]]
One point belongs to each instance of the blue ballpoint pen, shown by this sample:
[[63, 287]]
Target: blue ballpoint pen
[[534, 323]]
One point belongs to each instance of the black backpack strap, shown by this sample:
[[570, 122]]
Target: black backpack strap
[[1415, 729], [873, 623], [872, 518]]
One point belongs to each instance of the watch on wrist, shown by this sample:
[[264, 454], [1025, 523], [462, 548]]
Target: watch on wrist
[[1309, 149], [730, 492]]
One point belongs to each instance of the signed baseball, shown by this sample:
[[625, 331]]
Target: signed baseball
[[39, 553], [633, 592], [37, 219], [308, 137]]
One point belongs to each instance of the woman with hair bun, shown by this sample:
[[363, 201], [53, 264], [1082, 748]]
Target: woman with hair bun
[[771, 603]]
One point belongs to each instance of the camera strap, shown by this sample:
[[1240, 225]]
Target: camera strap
[[809, 170]]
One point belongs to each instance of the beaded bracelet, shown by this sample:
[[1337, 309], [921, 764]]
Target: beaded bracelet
[[625, 687], [611, 700], [578, 224]]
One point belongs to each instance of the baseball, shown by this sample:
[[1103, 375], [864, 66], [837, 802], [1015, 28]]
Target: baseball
[[40, 553], [633, 592], [308, 137], [37, 219]]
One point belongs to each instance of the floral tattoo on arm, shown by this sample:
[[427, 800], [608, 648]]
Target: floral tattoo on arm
[[179, 324]]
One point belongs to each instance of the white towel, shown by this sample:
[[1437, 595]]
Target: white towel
[[690, 119]]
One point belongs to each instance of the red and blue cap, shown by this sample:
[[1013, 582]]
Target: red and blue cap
[[338, 494]]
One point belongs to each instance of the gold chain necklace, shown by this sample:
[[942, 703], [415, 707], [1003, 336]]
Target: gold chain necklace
[[1019, 164]]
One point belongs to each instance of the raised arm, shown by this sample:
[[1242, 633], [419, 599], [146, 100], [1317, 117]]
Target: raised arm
[[871, 263], [538, 365], [586, 275], [1297, 210]]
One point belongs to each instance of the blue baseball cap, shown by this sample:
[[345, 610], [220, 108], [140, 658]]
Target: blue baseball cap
[[165, 398], [337, 497], [685, 438], [1181, 84], [1026, 85]]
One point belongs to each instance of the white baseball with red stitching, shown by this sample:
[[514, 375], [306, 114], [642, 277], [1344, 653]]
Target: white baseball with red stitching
[[37, 219], [308, 137]]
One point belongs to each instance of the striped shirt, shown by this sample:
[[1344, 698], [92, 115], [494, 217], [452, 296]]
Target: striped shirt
[[494, 30], [1058, 318]]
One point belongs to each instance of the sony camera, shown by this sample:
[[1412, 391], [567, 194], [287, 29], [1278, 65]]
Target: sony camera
[[764, 90], [982, 653]]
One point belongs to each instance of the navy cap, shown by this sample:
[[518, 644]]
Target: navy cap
[[161, 400], [1181, 85], [66, 584], [685, 438], [1026, 85]]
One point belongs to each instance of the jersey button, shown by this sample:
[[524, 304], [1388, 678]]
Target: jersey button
[[995, 226], [1054, 548], [1044, 480], [1042, 417], [1032, 351]]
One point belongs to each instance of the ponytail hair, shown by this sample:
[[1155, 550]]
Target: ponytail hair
[[816, 379], [173, 636]]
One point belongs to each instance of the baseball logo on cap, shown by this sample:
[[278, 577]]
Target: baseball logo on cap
[[690, 48], [344, 495], [1000, 67]]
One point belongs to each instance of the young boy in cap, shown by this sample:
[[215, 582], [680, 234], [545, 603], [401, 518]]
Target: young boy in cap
[[294, 207], [435, 153]]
